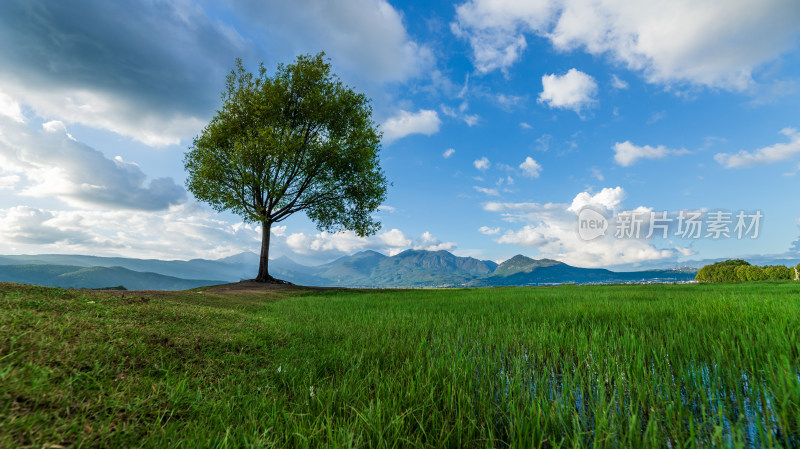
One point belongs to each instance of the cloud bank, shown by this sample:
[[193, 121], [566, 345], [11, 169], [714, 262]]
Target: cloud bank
[[706, 42], [50, 163]]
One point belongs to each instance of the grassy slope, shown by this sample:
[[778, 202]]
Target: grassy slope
[[606, 366]]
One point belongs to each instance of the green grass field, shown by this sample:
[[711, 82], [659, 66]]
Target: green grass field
[[589, 366]]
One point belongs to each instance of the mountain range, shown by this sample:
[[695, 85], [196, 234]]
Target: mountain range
[[410, 268]]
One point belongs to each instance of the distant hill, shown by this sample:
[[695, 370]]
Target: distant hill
[[410, 268], [522, 264], [95, 277], [417, 268], [231, 269], [521, 270]]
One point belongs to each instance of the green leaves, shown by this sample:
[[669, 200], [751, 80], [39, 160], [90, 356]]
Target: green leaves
[[299, 140], [740, 270]]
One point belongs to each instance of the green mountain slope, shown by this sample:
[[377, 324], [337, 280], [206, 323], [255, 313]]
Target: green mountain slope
[[411, 268], [522, 264], [95, 277]]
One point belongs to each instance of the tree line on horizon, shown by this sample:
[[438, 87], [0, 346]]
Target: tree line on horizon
[[738, 270]]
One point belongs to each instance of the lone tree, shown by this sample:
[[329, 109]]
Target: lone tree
[[298, 140]]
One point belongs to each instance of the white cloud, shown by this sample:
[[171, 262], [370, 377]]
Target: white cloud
[[766, 155], [705, 42], [325, 242], [185, 231], [530, 168], [490, 192], [524, 125], [596, 173], [27, 225], [482, 164], [428, 242], [108, 111], [626, 153], [461, 113], [327, 245], [488, 231], [574, 90], [394, 238], [157, 77], [551, 229], [618, 83], [364, 37], [9, 182], [495, 29], [448, 152], [52, 163], [471, 119], [182, 232], [139, 80], [608, 198], [10, 108], [424, 121], [508, 102]]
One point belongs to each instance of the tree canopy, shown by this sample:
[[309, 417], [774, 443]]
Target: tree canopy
[[298, 140], [738, 270]]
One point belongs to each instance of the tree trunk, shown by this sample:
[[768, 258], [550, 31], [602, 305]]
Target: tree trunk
[[263, 263]]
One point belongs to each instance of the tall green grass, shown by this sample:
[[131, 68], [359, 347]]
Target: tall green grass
[[572, 366]]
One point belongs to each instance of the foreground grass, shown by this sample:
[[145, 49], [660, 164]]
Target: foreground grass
[[601, 366]]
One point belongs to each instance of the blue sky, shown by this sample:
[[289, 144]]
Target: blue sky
[[501, 119]]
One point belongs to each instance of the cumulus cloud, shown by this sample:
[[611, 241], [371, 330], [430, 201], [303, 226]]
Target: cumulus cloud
[[185, 231], [627, 154], [27, 225], [424, 121], [328, 245], [366, 38], [574, 90], [706, 42], [51, 163], [448, 152], [148, 70], [530, 168], [153, 71], [766, 155], [482, 163], [495, 30], [551, 228], [10, 108], [608, 198], [325, 242], [394, 238], [430, 243]]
